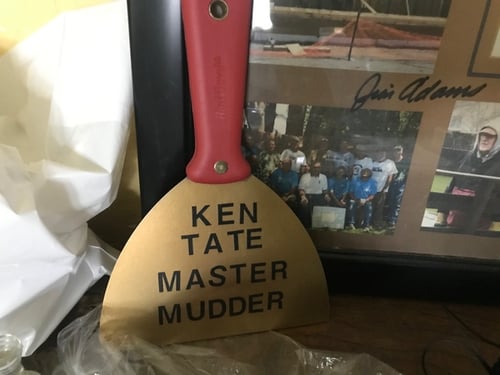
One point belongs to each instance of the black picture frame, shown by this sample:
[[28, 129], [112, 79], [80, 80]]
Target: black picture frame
[[162, 104], [161, 97]]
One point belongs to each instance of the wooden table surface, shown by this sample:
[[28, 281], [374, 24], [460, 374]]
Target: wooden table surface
[[395, 330], [403, 332]]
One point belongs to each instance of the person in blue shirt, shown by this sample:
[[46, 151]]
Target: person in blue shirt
[[362, 192], [338, 186], [284, 182]]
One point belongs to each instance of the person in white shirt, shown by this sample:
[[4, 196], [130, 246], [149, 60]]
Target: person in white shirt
[[383, 171], [313, 191], [294, 153], [361, 161]]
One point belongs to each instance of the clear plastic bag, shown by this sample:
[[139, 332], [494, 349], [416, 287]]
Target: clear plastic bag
[[81, 351]]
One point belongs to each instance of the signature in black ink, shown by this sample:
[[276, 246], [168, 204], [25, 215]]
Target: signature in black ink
[[418, 90]]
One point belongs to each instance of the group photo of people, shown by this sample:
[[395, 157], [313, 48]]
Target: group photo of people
[[330, 157]]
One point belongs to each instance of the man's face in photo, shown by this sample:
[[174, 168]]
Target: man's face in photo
[[315, 169], [486, 141]]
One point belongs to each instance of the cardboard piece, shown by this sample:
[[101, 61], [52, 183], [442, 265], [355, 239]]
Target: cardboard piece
[[326, 217]]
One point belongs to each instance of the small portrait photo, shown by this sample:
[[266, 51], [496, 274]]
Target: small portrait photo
[[465, 193]]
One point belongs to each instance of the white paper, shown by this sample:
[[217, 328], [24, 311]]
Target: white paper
[[65, 104]]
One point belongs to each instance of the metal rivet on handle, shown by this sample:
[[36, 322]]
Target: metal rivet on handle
[[220, 167], [218, 9]]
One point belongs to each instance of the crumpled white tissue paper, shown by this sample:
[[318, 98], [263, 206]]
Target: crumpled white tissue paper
[[65, 106]]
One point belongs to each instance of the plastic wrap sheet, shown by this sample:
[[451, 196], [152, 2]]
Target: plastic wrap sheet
[[82, 352]]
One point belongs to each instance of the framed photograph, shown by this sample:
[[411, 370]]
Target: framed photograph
[[396, 104], [402, 91]]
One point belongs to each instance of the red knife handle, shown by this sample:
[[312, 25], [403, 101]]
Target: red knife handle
[[217, 53]]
